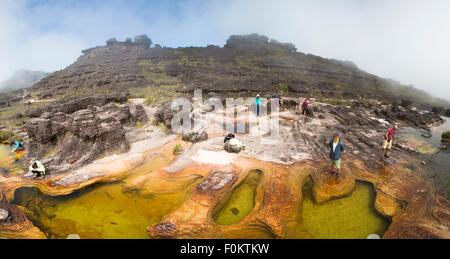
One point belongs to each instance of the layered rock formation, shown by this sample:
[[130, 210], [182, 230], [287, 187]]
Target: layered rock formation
[[63, 141]]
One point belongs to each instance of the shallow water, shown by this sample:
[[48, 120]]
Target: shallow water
[[241, 201], [104, 210], [10, 162], [438, 161], [352, 217]]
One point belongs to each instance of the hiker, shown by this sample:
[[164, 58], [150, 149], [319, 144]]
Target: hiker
[[278, 99], [305, 107], [37, 168], [258, 104], [336, 149], [16, 147], [391, 135]]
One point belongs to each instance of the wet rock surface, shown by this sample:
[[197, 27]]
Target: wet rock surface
[[326, 186], [215, 181]]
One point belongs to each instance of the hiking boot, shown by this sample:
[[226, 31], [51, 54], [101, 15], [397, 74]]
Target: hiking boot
[[330, 172], [387, 156], [338, 174]]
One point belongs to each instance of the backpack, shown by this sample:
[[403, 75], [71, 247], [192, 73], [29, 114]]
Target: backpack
[[228, 137]]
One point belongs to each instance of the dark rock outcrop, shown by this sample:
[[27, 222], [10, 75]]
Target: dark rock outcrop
[[138, 114], [164, 114], [438, 110], [143, 40], [446, 139], [195, 136], [71, 105], [411, 117], [63, 142]]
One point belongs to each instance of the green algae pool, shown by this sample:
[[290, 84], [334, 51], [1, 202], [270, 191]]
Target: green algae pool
[[241, 201], [103, 210], [352, 217]]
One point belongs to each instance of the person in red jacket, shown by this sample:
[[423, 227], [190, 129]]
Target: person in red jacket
[[305, 107], [389, 137]]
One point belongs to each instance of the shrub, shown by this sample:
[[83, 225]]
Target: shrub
[[177, 149]]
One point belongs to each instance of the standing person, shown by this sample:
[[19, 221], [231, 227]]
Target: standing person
[[258, 104], [391, 134], [278, 99], [37, 168], [305, 107], [336, 149]]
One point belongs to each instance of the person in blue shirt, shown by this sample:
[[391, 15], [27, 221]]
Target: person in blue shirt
[[16, 146], [258, 104], [336, 149]]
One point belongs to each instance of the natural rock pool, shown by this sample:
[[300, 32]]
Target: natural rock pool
[[352, 217], [105, 210], [126, 207]]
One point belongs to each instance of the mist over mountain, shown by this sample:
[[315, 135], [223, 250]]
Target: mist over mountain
[[21, 79]]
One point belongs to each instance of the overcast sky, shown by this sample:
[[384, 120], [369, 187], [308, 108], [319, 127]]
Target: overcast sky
[[406, 40]]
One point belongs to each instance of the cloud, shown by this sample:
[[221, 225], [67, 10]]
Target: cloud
[[405, 39]]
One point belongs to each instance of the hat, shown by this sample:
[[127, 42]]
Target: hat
[[336, 135], [257, 95]]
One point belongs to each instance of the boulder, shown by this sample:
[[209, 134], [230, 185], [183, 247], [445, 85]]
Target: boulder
[[138, 113], [233, 145], [4, 214], [43, 130], [84, 124], [164, 114], [195, 137], [438, 110], [289, 102]]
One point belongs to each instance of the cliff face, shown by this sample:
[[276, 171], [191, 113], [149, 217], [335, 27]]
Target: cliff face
[[246, 64]]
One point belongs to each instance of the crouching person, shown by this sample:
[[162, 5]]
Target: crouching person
[[37, 168]]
